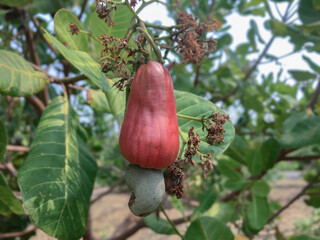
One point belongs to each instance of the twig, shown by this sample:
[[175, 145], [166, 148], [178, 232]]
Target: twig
[[171, 223], [250, 71], [196, 78], [299, 158], [17, 148], [69, 80], [10, 168], [42, 36], [314, 97], [31, 228], [140, 224], [273, 216], [37, 104], [78, 87], [83, 7], [121, 180]]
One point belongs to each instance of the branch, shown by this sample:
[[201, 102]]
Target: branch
[[31, 228], [140, 224], [10, 168], [250, 71], [83, 7], [37, 104], [68, 80], [314, 97], [273, 216], [42, 36], [16, 148], [301, 158], [121, 180]]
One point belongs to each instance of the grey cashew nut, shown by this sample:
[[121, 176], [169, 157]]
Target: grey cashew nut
[[147, 186]]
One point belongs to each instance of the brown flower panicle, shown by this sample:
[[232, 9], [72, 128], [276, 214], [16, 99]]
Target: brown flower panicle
[[133, 3], [215, 128], [103, 11], [191, 37]]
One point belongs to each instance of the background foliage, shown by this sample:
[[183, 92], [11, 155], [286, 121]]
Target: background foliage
[[60, 115]]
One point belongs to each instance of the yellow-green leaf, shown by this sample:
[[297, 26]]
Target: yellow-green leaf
[[18, 78], [62, 20], [8, 202], [57, 177]]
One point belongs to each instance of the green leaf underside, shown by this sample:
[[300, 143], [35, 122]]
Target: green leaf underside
[[57, 178], [208, 228], [98, 101], [304, 133], [8, 202], [18, 78], [112, 102], [83, 62], [260, 188], [122, 18], [62, 19], [158, 224], [191, 105], [255, 161], [258, 212], [206, 201], [3, 141]]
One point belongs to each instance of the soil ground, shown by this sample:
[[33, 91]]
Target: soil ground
[[111, 211]]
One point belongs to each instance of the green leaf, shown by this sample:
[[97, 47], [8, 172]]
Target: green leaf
[[206, 201], [228, 168], [194, 106], [238, 149], [14, 3], [304, 133], [57, 177], [98, 101], [260, 188], [302, 75], [225, 212], [254, 161], [112, 102], [18, 79], [208, 228], [270, 150], [308, 12], [235, 184], [3, 141], [83, 62], [312, 64], [121, 17], [158, 224], [62, 19], [314, 197], [258, 212], [8, 202]]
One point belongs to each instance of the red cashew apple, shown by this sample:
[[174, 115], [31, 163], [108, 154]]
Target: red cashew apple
[[149, 135]]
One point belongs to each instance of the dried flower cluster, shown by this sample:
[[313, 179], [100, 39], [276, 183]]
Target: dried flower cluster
[[191, 37], [103, 10], [118, 65], [173, 180], [133, 3], [74, 29], [215, 128], [193, 145], [207, 165]]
